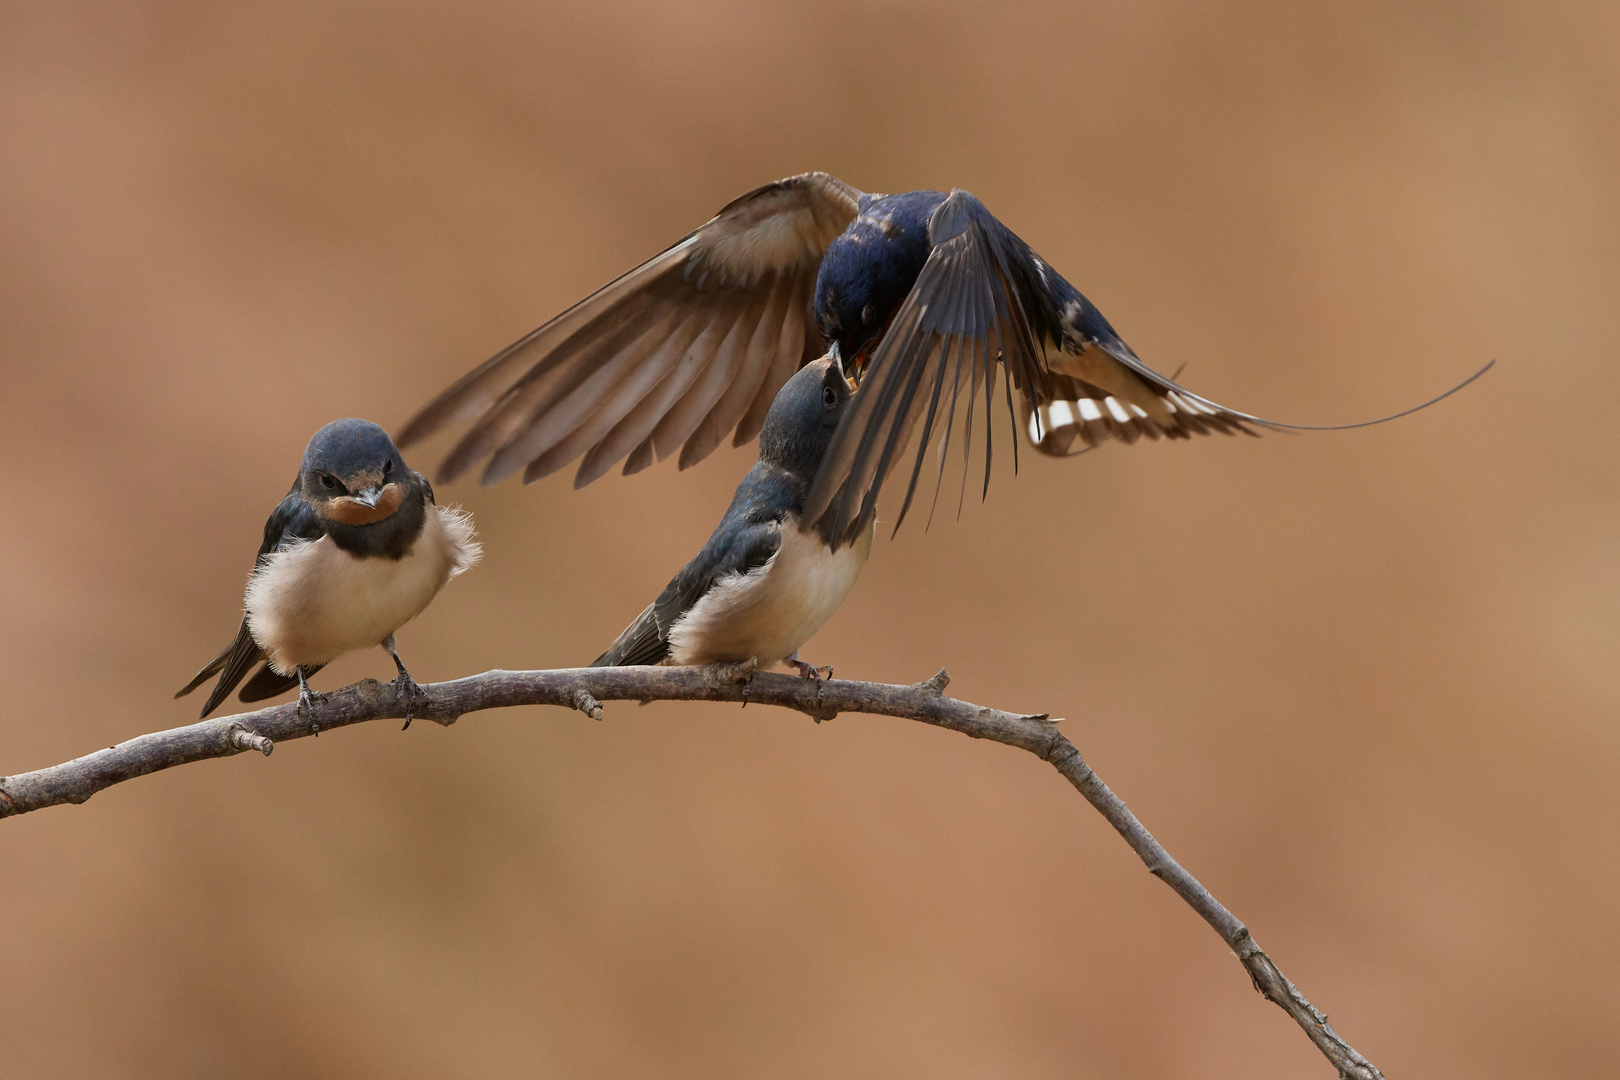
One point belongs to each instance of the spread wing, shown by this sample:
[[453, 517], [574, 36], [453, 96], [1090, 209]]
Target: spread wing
[[292, 519], [984, 298], [689, 345]]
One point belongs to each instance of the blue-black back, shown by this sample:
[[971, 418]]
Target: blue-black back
[[868, 271]]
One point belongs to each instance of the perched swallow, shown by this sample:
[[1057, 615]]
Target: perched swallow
[[763, 584], [920, 295], [356, 550]]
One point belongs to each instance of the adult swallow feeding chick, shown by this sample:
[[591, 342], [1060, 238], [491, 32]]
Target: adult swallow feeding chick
[[920, 294], [356, 550], [762, 585]]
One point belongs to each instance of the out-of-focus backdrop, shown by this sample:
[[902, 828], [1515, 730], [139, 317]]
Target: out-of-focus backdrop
[[1362, 683]]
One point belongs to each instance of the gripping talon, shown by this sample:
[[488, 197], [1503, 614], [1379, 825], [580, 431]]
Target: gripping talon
[[405, 687], [307, 700], [811, 671]]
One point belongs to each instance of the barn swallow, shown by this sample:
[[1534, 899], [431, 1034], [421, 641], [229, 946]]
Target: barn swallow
[[356, 550], [762, 585], [921, 295]]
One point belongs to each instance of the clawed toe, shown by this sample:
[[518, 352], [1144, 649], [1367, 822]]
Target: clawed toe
[[407, 690], [405, 687], [811, 671], [307, 701]]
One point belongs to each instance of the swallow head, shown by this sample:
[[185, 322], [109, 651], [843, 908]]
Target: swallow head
[[353, 473], [800, 424]]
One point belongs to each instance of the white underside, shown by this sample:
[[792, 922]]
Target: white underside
[[769, 612], [312, 601]]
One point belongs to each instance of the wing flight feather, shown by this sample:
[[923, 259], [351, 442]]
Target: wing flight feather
[[600, 379]]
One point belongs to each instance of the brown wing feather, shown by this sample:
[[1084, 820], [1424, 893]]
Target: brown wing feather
[[489, 381], [542, 408], [558, 408], [570, 429], [600, 379], [740, 389], [681, 420], [637, 425], [616, 397], [798, 333]]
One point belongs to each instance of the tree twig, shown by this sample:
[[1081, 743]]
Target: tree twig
[[585, 689]]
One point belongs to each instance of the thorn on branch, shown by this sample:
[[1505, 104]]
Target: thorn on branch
[[243, 739], [936, 685], [586, 704]]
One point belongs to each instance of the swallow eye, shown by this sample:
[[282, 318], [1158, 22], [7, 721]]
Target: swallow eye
[[867, 315], [829, 396], [328, 481], [388, 467]]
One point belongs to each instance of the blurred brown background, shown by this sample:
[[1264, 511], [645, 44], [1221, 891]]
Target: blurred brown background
[[1362, 684]]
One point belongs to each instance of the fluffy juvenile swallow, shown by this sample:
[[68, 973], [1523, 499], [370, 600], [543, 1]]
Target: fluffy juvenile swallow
[[356, 550], [921, 295], [762, 585]]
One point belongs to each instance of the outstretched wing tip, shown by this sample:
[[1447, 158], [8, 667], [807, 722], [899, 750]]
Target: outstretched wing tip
[[617, 365], [419, 427]]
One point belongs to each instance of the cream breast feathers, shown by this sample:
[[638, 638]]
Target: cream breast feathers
[[311, 602]]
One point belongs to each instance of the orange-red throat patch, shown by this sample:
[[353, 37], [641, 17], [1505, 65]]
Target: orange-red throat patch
[[346, 510]]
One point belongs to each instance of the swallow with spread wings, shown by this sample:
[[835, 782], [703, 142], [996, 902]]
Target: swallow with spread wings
[[918, 296]]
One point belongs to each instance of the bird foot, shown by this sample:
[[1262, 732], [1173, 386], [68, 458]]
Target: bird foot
[[810, 671], [744, 673], [404, 687], [407, 690], [307, 701]]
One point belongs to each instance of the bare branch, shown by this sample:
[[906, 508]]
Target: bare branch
[[585, 689]]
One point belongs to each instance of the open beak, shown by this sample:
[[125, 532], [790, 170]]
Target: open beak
[[838, 358]]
